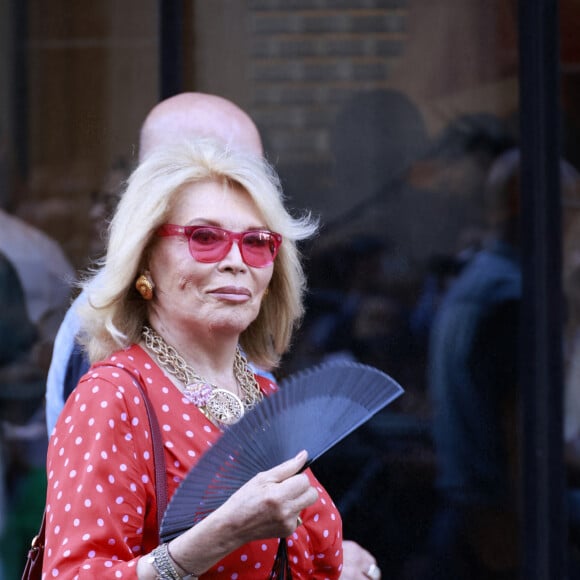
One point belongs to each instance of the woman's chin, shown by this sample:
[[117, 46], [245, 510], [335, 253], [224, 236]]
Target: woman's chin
[[234, 323]]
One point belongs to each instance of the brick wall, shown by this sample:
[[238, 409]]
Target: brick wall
[[307, 58]]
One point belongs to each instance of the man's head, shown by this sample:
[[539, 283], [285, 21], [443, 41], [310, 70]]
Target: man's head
[[503, 190], [199, 115]]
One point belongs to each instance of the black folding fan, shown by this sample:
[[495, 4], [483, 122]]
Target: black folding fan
[[313, 410]]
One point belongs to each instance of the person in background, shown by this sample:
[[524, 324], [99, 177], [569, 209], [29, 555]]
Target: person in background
[[473, 383], [45, 273], [35, 288], [185, 114]]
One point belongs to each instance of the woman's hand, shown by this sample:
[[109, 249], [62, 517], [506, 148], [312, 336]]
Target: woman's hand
[[358, 564], [268, 506]]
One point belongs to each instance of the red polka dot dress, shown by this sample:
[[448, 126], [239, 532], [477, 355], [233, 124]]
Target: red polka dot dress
[[101, 506]]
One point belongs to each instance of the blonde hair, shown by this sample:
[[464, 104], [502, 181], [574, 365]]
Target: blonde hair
[[114, 314]]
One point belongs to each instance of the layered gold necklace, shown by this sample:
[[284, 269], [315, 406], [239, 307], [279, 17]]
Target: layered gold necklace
[[220, 406]]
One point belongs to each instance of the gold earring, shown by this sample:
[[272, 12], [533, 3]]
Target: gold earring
[[145, 287], [267, 291]]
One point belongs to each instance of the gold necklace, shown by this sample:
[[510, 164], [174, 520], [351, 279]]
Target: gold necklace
[[220, 406]]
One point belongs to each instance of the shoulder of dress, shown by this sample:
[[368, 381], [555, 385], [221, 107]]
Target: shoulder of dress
[[122, 368], [267, 385], [130, 359]]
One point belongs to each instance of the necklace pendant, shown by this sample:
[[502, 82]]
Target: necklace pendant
[[226, 407]]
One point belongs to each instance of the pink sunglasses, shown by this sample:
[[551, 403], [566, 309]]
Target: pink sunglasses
[[210, 244]]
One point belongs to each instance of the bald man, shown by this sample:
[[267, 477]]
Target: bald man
[[201, 115], [196, 115]]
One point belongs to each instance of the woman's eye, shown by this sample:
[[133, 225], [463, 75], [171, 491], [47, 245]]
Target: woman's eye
[[206, 237], [257, 240]]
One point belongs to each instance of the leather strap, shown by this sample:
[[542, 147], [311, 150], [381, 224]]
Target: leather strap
[[157, 442], [33, 567]]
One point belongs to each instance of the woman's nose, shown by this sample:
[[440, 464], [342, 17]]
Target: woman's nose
[[234, 256]]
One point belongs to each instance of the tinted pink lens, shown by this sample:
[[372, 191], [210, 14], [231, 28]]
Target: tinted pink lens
[[209, 244], [259, 248]]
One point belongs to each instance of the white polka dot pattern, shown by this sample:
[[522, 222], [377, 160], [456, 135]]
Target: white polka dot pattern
[[101, 505]]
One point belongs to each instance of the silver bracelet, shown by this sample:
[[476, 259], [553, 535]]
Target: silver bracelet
[[163, 563]]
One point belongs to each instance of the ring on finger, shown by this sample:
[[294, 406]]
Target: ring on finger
[[374, 572], [298, 521]]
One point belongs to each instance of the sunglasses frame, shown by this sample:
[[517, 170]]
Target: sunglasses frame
[[168, 230]]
